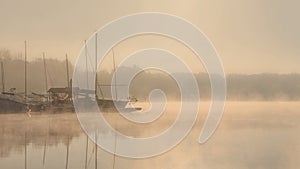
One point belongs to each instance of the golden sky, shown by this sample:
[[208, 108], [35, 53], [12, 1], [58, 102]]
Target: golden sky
[[251, 36]]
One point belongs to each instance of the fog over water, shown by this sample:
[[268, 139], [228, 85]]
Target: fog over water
[[250, 135], [258, 46]]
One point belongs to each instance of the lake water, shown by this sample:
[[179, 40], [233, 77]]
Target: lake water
[[251, 135]]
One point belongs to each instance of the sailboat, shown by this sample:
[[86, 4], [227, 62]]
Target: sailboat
[[10, 102], [103, 102], [60, 98], [86, 97]]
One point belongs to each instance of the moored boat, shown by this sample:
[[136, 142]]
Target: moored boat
[[12, 104]]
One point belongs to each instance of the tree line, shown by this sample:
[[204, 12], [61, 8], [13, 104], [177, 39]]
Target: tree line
[[239, 86]]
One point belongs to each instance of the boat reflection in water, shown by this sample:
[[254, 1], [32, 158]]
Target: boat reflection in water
[[251, 135]]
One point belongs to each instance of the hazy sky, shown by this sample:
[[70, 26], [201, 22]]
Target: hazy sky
[[250, 36]]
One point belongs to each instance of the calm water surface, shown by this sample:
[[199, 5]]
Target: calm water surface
[[252, 135]]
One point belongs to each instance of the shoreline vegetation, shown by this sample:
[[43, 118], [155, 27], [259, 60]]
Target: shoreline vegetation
[[240, 87]]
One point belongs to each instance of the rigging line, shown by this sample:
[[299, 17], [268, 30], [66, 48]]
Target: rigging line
[[89, 59], [67, 67], [25, 65], [94, 67], [50, 78], [96, 63], [45, 73], [114, 64], [88, 56], [49, 75], [86, 65]]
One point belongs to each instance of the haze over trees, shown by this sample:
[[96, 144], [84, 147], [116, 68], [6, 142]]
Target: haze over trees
[[239, 86]]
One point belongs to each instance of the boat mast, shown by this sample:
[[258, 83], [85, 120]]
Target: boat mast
[[96, 61], [86, 66], [67, 66], [2, 76], [25, 82], [45, 71], [114, 64]]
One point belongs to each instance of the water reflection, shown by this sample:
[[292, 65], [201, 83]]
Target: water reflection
[[251, 135]]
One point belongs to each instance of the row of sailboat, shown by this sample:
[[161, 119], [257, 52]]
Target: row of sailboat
[[56, 99]]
